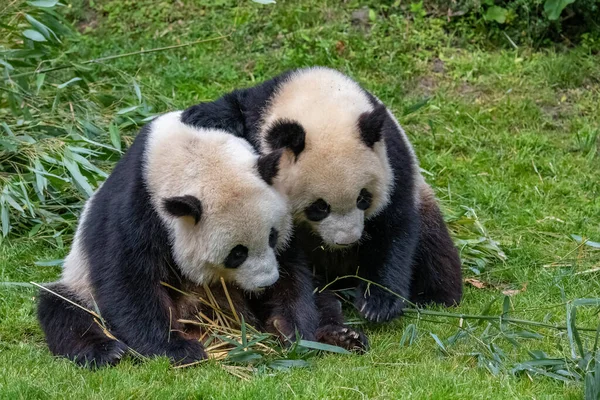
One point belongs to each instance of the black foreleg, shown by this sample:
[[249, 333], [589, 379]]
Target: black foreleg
[[332, 328], [289, 305]]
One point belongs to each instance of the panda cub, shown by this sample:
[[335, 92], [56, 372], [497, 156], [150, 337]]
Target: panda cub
[[359, 201], [184, 206]]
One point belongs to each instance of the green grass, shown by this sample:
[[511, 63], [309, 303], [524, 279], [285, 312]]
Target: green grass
[[510, 134]]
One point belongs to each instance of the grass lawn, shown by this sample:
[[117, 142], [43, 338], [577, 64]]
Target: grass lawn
[[509, 133]]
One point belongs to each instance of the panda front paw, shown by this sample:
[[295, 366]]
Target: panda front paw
[[185, 351], [283, 328], [376, 304], [344, 337]]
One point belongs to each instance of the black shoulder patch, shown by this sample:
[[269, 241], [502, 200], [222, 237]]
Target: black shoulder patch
[[268, 165], [184, 206], [286, 134], [370, 124]]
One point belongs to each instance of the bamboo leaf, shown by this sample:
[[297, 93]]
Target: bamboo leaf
[[409, 335], [39, 81], [80, 180], [16, 284], [586, 302], [43, 29], [416, 106], [115, 136], [4, 216], [34, 35], [439, 343], [138, 92], [6, 64], [69, 82], [50, 263], [10, 200], [580, 239], [44, 3], [127, 110], [322, 346]]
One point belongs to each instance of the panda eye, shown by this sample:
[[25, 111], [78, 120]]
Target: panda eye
[[236, 256], [364, 200], [318, 210], [273, 238]]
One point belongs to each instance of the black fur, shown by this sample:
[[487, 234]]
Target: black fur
[[236, 256], [441, 281], [371, 124], [289, 305], [75, 333], [395, 243], [318, 210], [286, 134], [268, 166], [184, 206], [332, 329]]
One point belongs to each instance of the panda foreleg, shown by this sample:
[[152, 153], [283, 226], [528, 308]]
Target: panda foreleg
[[332, 328], [290, 302], [74, 333], [386, 259]]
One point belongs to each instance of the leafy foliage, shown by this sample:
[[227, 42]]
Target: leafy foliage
[[61, 129], [523, 20]]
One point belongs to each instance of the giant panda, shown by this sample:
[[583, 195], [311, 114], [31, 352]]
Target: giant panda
[[359, 201], [184, 206]]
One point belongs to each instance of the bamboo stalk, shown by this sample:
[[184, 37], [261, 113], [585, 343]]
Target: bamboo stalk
[[233, 310], [115, 56]]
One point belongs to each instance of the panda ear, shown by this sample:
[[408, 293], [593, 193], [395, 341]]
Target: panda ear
[[268, 165], [286, 134], [184, 206], [370, 125]]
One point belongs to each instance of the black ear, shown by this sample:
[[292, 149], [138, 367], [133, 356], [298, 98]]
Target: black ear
[[370, 124], [268, 165], [184, 206], [286, 134]]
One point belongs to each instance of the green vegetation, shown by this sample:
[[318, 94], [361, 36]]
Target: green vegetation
[[507, 136], [534, 22]]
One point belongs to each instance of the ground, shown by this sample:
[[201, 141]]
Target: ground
[[509, 133]]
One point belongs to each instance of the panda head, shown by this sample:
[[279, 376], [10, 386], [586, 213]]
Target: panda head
[[214, 194], [334, 169]]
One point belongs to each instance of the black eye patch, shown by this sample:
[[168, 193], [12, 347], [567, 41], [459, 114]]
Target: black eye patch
[[364, 200], [273, 238], [236, 257], [318, 210]]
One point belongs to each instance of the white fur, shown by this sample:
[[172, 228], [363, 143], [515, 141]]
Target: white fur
[[238, 207], [335, 165], [76, 270]]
